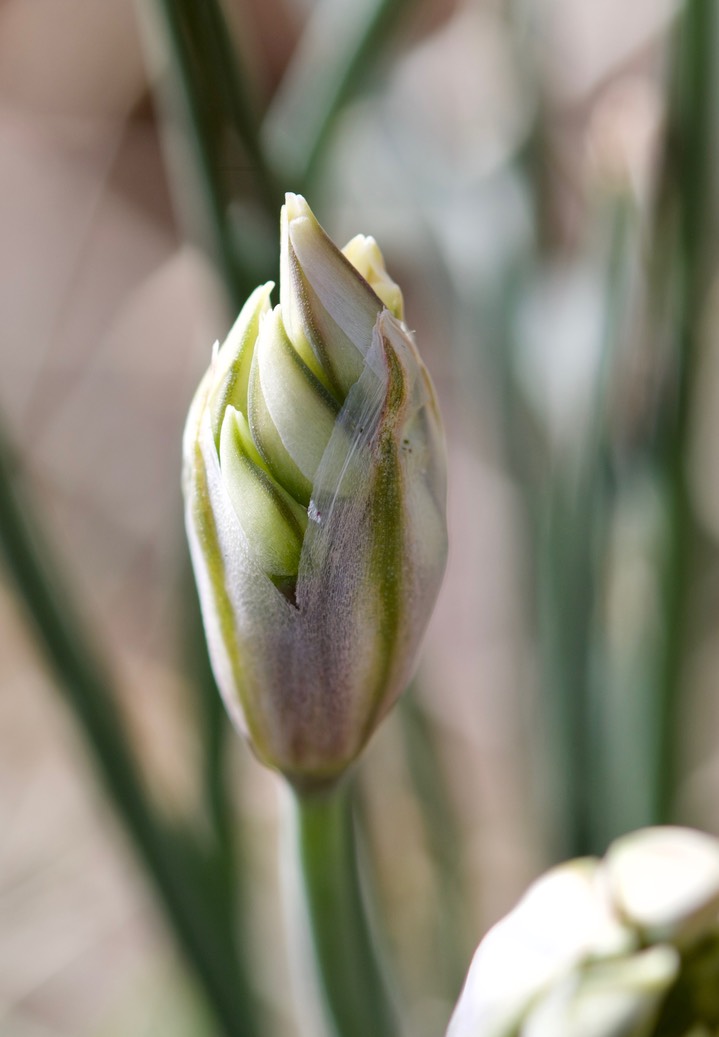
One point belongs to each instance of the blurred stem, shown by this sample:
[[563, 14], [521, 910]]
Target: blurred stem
[[205, 75], [205, 81], [322, 79], [350, 975], [209, 96], [597, 492], [87, 687], [217, 798], [215, 732], [690, 141], [442, 831], [573, 551], [218, 62]]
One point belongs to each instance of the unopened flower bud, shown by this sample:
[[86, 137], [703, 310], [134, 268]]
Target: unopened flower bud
[[364, 255], [314, 482], [624, 947]]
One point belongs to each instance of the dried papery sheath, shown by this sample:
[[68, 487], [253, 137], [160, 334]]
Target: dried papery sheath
[[623, 947], [314, 480]]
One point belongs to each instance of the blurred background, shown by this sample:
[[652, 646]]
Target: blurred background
[[541, 178]]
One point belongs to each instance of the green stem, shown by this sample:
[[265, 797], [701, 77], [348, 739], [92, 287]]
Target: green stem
[[691, 139], [172, 862], [350, 974]]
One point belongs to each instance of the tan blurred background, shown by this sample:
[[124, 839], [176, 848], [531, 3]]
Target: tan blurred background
[[106, 321]]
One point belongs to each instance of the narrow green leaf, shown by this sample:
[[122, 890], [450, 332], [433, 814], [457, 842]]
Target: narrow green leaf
[[84, 678], [340, 51]]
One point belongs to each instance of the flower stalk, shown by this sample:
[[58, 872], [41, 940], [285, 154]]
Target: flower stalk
[[352, 980]]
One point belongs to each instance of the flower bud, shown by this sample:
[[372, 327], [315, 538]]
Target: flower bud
[[314, 482], [624, 947], [364, 255]]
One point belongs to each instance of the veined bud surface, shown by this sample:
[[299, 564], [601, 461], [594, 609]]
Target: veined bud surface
[[623, 947], [314, 480]]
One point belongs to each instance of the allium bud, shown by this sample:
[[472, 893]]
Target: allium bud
[[623, 947], [314, 482]]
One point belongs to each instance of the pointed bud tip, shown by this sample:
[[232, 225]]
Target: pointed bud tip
[[366, 257], [296, 206]]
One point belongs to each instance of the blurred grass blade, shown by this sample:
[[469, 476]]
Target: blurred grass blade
[[595, 493], [84, 679], [217, 77], [206, 96], [442, 830], [216, 736], [202, 91], [690, 187], [341, 47], [207, 93], [569, 512]]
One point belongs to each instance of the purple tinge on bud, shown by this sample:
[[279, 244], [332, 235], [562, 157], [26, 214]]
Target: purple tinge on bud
[[316, 517]]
